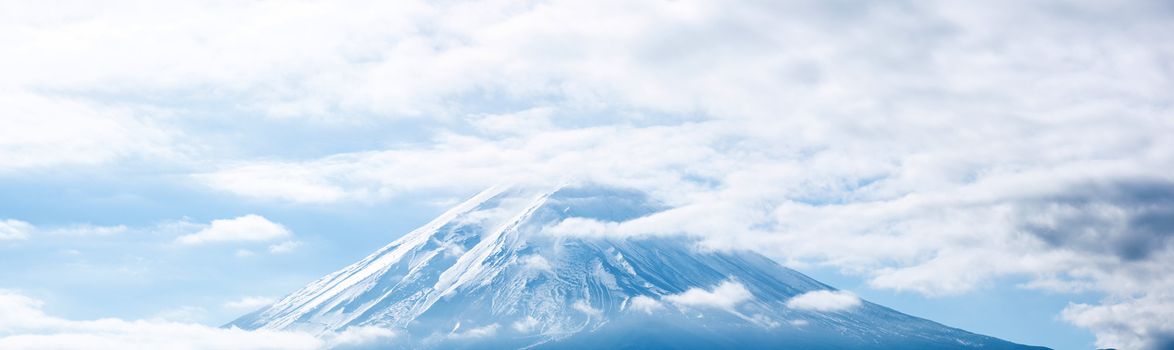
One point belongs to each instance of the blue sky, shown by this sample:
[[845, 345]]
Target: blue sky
[[1002, 168]]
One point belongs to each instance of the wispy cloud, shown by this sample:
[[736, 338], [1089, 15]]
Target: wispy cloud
[[361, 337], [11, 229], [475, 332], [248, 303], [284, 247]]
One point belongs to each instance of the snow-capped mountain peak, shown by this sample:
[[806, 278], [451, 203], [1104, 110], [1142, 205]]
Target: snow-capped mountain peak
[[497, 272]]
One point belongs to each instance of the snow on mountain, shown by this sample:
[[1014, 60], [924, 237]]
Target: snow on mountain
[[494, 272]]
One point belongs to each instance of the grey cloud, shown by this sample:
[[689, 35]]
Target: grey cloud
[[1163, 341], [1127, 218]]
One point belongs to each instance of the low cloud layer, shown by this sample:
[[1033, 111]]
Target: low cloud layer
[[24, 326]]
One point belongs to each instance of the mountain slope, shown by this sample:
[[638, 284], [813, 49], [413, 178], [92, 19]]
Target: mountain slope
[[518, 267]]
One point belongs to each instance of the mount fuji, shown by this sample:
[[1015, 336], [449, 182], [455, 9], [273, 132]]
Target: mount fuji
[[528, 267]]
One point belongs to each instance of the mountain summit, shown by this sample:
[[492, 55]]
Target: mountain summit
[[524, 267]]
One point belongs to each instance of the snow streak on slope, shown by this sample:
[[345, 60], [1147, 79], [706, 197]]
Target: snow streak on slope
[[489, 274], [336, 300]]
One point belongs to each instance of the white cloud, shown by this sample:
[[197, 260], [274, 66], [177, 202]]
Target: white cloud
[[183, 314], [12, 229], [584, 227], [15, 229], [725, 296], [248, 303], [526, 325], [89, 230], [361, 336], [633, 156], [645, 304], [248, 228], [1130, 324], [537, 263], [18, 312], [762, 320], [585, 307], [275, 181], [475, 333], [662, 223], [527, 121], [824, 300], [284, 247], [43, 131]]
